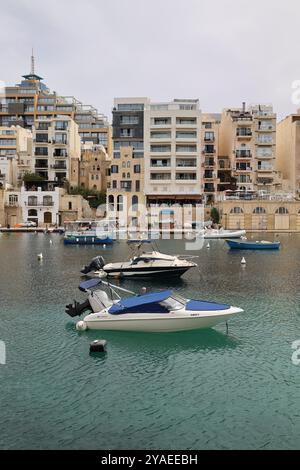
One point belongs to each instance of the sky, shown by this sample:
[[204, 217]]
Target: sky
[[223, 52]]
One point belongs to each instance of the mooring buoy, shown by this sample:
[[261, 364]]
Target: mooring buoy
[[98, 345]]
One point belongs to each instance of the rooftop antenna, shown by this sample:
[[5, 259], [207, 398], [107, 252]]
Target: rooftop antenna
[[32, 63]]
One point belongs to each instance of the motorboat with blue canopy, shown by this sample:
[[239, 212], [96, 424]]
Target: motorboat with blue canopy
[[163, 311]]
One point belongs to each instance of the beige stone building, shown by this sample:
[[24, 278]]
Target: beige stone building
[[73, 207], [261, 215], [15, 155], [126, 182], [288, 152], [248, 138], [94, 167]]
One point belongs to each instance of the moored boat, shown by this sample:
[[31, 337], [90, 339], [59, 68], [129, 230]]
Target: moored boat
[[222, 233], [163, 311], [253, 245]]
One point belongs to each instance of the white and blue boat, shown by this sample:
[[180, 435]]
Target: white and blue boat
[[164, 311], [253, 245]]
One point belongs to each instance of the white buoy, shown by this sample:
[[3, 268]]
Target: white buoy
[[81, 326], [40, 256], [243, 261], [104, 246], [208, 245]]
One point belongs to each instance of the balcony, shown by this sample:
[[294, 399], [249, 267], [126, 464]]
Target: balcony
[[243, 133], [60, 153], [58, 167], [41, 165], [39, 203], [243, 154]]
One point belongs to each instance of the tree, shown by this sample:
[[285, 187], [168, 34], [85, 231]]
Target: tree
[[32, 177], [94, 198], [215, 216]]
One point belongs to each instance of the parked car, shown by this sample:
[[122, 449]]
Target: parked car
[[27, 224]]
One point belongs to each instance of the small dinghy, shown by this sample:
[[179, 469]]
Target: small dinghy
[[249, 245], [164, 311], [222, 233]]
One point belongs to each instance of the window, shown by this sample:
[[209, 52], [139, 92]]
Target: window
[[160, 148], [129, 120], [119, 203], [137, 168], [236, 210], [47, 201], [13, 199], [111, 201], [186, 148], [282, 210], [114, 169], [41, 138], [70, 205], [114, 184], [135, 201], [128, 164], [130, 107], [186, 135], [32, 213], [137, 186], [32, 200], [209, 136], [126, 132], [259, 210]]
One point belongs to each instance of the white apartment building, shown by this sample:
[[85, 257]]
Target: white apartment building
[[57, 149], [172, 152], [40, 206]]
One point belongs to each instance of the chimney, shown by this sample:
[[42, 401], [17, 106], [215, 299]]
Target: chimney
[[244, 106]]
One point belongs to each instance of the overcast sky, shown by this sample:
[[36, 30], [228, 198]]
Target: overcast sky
[[222, 52]]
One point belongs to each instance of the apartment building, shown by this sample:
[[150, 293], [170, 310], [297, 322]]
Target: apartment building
[[15, 155], [248, 138], [210, 153], [288, 151], [57, 149], [94, 167], [126, 186], [172, 140], [31, 100]]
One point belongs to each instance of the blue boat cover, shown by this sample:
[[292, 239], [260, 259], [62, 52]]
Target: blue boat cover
[[131, 302], [86, 285], [200, 305]]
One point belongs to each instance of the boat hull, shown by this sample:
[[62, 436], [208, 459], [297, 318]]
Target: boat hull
[[150, 273], [224, 234], [87, 240], [237, 245], [161, 323]]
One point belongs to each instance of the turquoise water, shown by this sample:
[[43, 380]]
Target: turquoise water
[[190, 390]]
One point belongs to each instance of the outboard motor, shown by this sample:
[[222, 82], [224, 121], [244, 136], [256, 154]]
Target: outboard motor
[[78, 308], [95, 265]]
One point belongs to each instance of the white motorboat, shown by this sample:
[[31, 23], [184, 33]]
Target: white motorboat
[[163, 311], [144, 265], [222, 233]]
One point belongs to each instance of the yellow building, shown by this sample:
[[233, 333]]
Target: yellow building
[[93, 167], [261, 215], [288, 152]]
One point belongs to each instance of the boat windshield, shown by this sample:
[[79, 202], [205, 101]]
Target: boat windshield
[[173, 303]]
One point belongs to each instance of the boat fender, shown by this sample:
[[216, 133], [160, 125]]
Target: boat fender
[[81, 326], [98, 345]]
